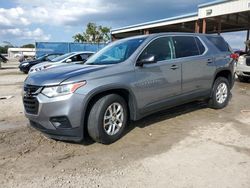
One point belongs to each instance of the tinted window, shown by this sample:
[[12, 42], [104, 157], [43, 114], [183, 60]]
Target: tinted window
[[200, 45], [62, 57], [50, 57], [185, 46], [219, 43], [161, 48], [76, 58]]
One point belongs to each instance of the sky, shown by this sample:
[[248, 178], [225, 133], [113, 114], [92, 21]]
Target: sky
[[27, 21]]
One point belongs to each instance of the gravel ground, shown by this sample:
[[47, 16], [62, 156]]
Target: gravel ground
[[188, 146]]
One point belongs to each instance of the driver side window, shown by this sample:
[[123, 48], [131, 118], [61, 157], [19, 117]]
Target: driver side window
[[161, 48], [76, 58]]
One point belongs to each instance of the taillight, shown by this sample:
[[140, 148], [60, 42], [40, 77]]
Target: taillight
[[234, 56]]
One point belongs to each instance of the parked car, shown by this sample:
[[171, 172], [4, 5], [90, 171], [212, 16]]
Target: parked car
[[26, 65], [3, 59], [72, 57], [243, 68], [239, 52], [127, 80]]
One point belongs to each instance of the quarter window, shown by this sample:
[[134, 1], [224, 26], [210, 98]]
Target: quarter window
[[185, 46], [161, 48], [219, 42]]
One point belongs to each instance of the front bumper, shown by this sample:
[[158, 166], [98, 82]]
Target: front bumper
[[68, 106], [73, 134], [24, 69]]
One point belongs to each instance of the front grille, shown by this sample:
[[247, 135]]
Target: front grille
[[248, 60], [30, 102]]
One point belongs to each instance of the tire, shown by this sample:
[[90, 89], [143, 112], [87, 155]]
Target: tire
[[104, 107], [242, 78], [220, 99]]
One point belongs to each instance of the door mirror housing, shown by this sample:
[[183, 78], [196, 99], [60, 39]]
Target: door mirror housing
[[68, 61], [146, 59]]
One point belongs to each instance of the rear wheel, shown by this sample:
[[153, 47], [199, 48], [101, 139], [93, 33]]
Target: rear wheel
[[220, 94], [107, 119]]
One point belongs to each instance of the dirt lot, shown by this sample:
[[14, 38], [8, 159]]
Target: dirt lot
[[189, 146]]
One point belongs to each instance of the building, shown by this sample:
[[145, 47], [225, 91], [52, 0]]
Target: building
[[214, 17], [17, 52]]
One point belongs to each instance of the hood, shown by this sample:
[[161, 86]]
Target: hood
[[41, 64], [31, 62], [56, 75]]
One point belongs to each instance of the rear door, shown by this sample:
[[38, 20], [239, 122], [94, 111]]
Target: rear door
[[160, 81], [197, 67]]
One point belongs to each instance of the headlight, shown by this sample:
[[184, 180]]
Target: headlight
[[241, 60], [55, 91], [24, 64]]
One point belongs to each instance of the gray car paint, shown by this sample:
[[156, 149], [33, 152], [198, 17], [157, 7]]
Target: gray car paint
[[151, 87]]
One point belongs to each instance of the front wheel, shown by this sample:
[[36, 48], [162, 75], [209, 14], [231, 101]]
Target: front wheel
[[220, 93], [107, 119]]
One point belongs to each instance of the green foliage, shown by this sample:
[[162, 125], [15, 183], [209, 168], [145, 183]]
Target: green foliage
[[28, 46], [4, 49], [93, 34]]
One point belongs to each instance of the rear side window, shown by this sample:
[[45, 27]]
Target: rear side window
[[185, 46], [219, 42], [200, 45], [161, 48]]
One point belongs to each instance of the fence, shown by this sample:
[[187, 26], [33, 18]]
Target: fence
[[65, 47]]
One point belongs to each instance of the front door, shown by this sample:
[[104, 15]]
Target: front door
[[159, 81]]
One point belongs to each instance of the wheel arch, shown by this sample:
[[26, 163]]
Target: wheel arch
[[124, 92], [226, 73]]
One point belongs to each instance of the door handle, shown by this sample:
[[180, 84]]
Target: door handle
[[209, 61], [174, 67]]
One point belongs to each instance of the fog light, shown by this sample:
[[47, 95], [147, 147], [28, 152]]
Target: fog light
[[61, 122]]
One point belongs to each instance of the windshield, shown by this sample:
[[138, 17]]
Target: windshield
[[62, 57], [42, 57], [116, 52]]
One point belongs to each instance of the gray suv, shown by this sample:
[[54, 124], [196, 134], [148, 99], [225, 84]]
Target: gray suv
[[127, 80]]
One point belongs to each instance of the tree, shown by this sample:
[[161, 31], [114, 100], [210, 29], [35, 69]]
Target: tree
[[28, 46], [93, 34], [4, 49]]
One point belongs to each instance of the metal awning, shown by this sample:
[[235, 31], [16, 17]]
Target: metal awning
[[214, 17]]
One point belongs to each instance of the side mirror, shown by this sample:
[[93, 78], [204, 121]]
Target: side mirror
[[68, 61], [146, 59]]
